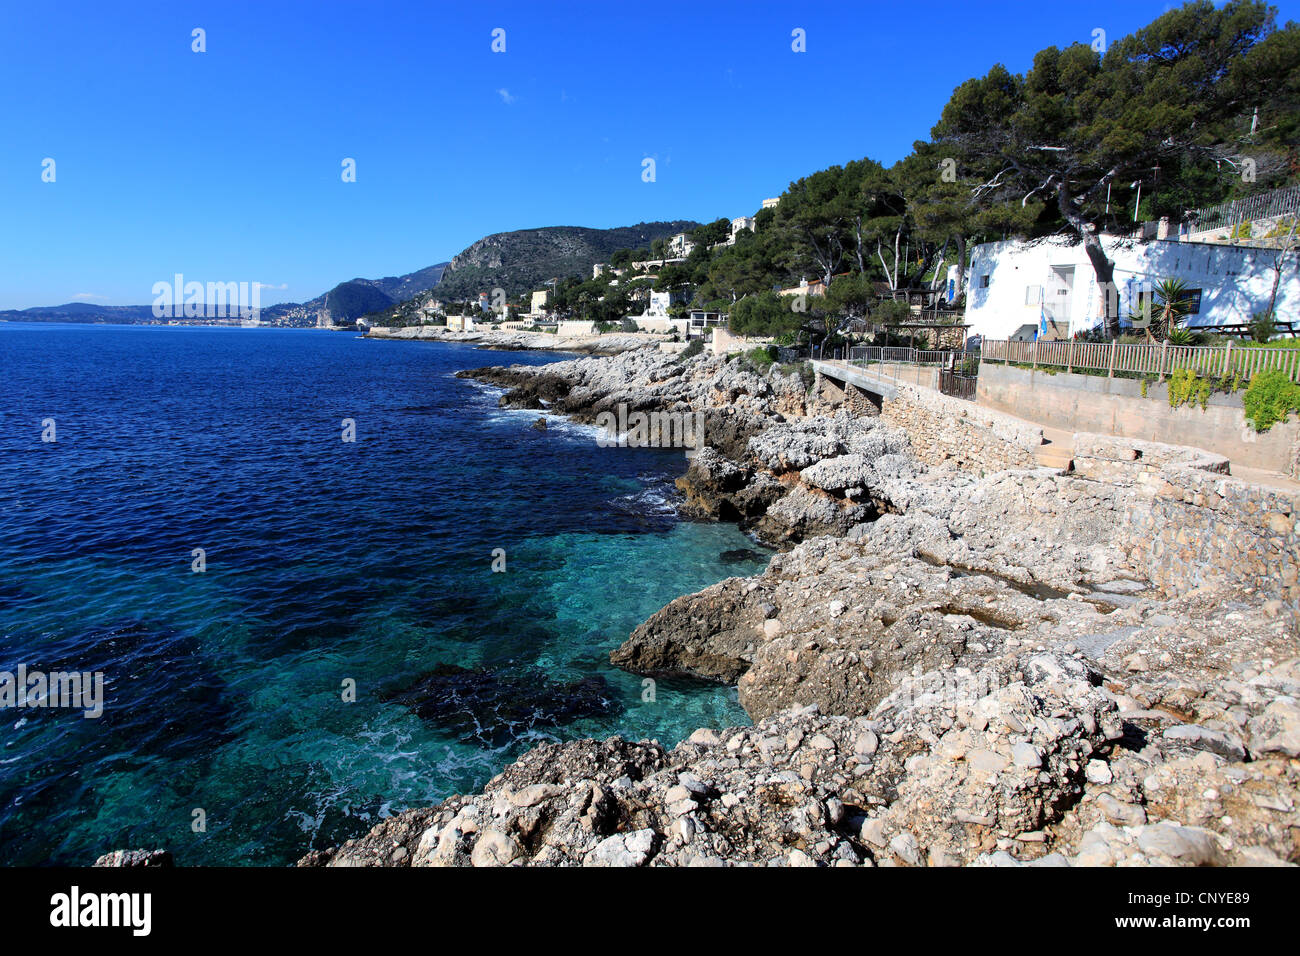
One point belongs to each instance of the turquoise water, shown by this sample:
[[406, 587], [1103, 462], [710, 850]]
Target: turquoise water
[[328, 563]]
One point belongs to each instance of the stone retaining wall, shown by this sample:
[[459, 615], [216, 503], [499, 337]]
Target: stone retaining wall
[[946, 429], [1196, 525], [1117, 406]]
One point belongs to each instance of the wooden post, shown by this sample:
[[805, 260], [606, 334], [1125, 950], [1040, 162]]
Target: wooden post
[[1227, 359], [1035, 355], [1110, 368], [1164, 349], [1069, 356]]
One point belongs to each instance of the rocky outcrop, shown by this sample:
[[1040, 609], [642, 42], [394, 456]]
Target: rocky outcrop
[[134, 859], [1063, 746], [951, 663], [498, 340], [757, 431], [800, 788], [726, 622]]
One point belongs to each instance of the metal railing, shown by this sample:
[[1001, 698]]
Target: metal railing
[[1269, 205], [872, 354], [957, 385], [1159, 358]]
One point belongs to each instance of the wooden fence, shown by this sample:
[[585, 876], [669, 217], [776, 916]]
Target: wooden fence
[[1160, 358]]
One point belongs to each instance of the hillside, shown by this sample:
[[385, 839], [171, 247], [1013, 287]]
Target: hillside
[[81, 312], [517, 261], [399, 288], [521, 261]]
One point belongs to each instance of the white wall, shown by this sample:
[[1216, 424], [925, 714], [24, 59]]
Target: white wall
[[1235, 281], [724, 341], [658, 323], [661, 301]]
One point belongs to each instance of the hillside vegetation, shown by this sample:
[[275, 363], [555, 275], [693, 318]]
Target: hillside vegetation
[[521, 261]]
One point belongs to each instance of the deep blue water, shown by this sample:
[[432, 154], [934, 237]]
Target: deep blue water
[[327, 562]]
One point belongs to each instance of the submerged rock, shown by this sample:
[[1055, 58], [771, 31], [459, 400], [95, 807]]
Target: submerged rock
[[740, 556], [494, 707]]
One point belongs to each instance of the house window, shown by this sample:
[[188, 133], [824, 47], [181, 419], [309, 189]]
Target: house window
[[984, 282], [1191, 297], [1033, 294]]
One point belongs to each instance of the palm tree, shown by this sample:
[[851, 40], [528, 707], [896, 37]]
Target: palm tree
[[1171, 304]]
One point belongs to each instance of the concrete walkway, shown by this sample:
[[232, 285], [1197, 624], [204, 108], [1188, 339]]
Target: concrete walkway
[[861, 376]]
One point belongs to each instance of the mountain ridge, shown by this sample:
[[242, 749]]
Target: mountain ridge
[[521, 260], [518, 261]]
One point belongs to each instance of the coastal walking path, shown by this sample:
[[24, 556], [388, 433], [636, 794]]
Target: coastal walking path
[[1057, 450]]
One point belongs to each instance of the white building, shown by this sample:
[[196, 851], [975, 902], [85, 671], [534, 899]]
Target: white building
[[1051, 285], [739, 224], [680, 246], [660, 302]]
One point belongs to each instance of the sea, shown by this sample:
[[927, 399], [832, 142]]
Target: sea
[[300, 634]]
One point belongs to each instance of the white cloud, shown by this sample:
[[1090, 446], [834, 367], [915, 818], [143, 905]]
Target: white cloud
[[506, 96], [269, 285], [89, 295]]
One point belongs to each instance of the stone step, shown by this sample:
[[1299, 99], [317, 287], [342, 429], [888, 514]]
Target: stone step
[[1053, 456]]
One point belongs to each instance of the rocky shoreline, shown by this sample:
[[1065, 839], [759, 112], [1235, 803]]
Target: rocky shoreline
[[955, 657], [947, 663], [611, 343]]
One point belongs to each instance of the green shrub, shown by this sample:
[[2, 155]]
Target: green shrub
[[1185, 387], [761, 358], [890, 312], [1270, 398], [693, 348], [1261, 326]]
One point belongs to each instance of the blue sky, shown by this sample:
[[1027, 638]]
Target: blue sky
[[225, 165]]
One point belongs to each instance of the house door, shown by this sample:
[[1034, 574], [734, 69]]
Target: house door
[[1057, 298]]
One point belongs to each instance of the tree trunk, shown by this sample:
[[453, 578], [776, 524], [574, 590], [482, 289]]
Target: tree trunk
[[1287, 244], [1101, 265], [961, 268], [889, 277], [897, 272], [1105, 270]]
